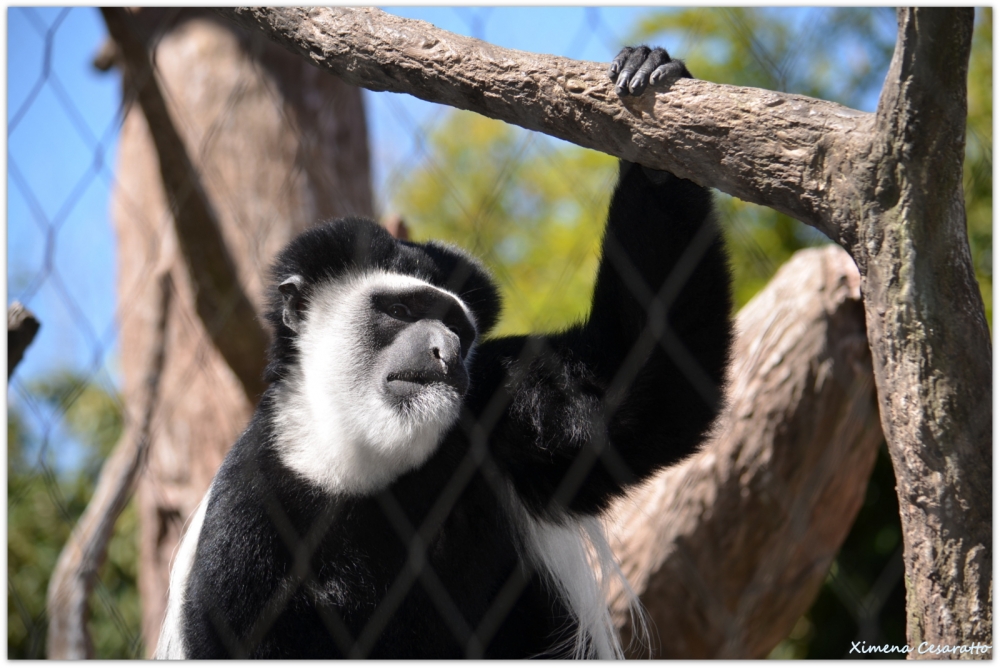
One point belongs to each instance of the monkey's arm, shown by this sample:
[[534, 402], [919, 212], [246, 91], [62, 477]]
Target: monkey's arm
[[638, 384]]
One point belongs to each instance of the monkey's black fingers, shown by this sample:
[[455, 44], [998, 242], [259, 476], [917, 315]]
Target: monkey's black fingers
[[625, 65], [675, 69], [655, 59], [619, 62], [636, 68]]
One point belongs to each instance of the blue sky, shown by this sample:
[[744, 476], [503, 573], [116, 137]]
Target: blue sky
[[59, 126]]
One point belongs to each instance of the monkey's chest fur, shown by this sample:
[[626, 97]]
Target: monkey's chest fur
[[402, 573]]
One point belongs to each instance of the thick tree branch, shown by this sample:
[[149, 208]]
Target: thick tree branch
[[223, 306], [793, 151], [22, 325], [728, 549]]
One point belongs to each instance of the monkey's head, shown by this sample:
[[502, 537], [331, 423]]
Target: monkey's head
[[371, 352]]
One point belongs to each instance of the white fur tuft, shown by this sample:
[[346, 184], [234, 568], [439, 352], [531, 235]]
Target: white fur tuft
[[574, 558], [171, 642]]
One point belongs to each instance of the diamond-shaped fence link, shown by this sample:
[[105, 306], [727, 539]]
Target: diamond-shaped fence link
[[84, 387]]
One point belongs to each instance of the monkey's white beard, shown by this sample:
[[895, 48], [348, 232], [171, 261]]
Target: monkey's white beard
[[333, 425]]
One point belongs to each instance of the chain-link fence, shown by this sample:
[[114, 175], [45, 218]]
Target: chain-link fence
[[127, 360]]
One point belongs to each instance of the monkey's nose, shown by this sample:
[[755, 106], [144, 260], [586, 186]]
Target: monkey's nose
[[426, 353]]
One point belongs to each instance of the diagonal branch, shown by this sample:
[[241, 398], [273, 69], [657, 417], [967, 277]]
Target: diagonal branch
[[81, 558], [793, 151], [224, 308]]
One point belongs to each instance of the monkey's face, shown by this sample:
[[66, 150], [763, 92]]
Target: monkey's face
[[421, 337], [382, 371]]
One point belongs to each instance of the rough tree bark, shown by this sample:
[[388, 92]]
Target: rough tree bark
[[886, 186], [930, 341], [769, 148], [729, 549], [276, 146]]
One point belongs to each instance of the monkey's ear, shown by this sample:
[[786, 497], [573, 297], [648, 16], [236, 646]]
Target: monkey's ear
[[292, 303]]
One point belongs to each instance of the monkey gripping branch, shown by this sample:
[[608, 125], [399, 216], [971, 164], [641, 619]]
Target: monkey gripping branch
[[886, 186]]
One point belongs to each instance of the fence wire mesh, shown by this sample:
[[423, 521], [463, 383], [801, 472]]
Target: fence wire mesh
[[85, 383]]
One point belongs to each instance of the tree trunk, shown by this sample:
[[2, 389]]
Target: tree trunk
[[729, 549], [277, 146], [930, 341], [886, 186]]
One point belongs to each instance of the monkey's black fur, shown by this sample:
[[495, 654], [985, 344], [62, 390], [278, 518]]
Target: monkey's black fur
[[284, 569]]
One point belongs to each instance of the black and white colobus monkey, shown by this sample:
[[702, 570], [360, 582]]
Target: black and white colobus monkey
[[406, 489]]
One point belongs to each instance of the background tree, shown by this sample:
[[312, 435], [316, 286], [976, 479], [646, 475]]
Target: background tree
[[309, 161]]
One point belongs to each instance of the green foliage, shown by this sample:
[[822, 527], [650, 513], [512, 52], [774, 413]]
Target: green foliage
[[43, 506], [979, 156], [759, 241], [839, 54]]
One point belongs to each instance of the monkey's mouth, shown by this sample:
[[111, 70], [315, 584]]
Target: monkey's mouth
[[410, 382]]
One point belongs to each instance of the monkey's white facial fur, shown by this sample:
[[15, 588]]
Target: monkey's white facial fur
[[380, 378]]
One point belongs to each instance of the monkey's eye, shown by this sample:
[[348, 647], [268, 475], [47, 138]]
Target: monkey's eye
[[399, 311]]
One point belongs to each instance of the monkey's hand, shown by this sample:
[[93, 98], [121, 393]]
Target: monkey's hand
[[636, 67]]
